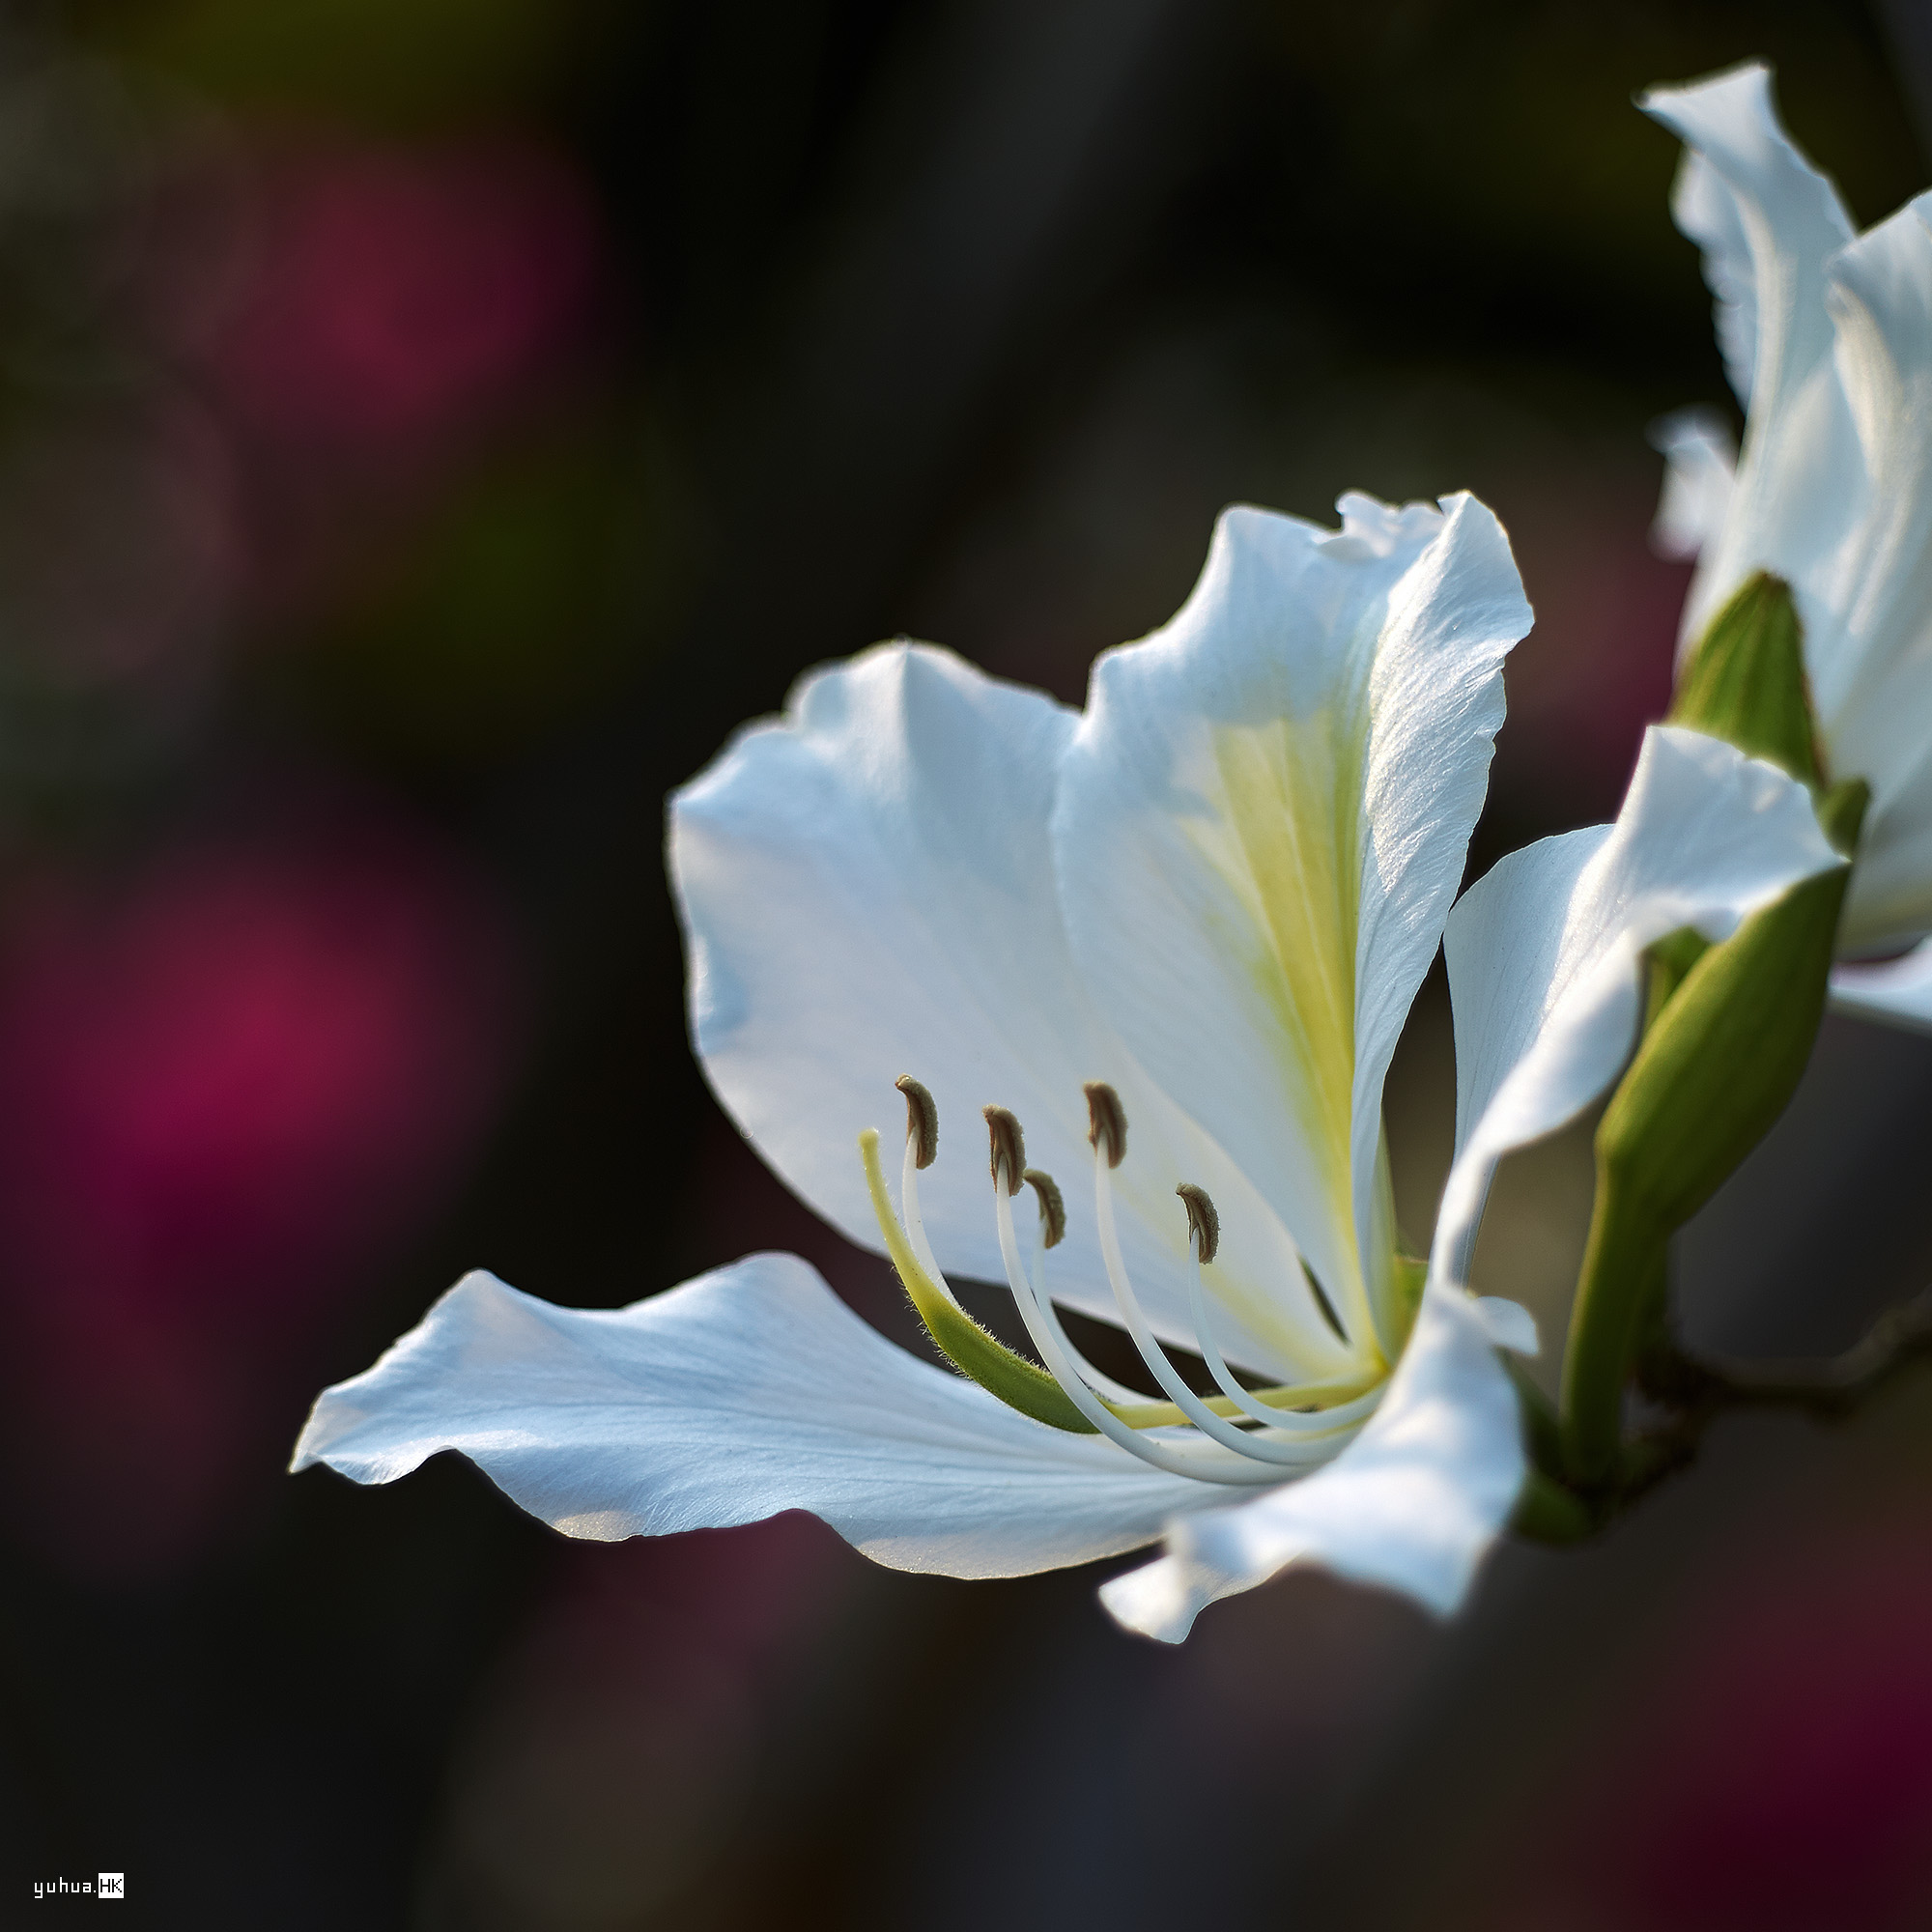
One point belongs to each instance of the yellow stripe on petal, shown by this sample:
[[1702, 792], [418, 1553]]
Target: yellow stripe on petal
[[1287, 846]]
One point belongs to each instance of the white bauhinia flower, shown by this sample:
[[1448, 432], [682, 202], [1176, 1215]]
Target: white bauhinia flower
[[1216, 890], [1827, 338]]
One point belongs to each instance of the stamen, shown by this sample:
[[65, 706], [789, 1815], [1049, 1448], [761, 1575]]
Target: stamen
[[1047, 1233], [1204, 1227], [1008, 1157], [1182, 1458], [921, 1120], [909, 1209], [1202, 1223], [1052, 1209], [1106, 1121], [1069, 1393], [1262, 1448], [981, 1357]]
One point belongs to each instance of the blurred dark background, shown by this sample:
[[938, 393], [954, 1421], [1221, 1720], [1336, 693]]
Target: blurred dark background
[[427, 429]]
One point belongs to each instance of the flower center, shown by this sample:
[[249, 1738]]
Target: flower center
[[1242, 1436]]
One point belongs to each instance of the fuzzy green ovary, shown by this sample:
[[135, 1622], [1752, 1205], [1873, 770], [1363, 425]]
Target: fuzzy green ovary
[[1021, 1384]]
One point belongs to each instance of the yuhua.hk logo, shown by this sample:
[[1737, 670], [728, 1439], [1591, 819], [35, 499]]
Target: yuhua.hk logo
[[104, 1884]]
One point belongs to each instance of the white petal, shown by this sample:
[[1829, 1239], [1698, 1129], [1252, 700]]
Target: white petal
[[1701, 466], [1869, 608], [867, 890], [1262, 824], [1766, 219], [1509, 1324], [1769, 224], [1544, 949], [1543, 965], [1898, 991], [1890, 902], [748, 1391], [1833, 492], [1411, 1504]]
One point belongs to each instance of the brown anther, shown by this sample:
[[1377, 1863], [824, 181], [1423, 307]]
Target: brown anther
[[1106, 1121], [1202, 1223], [921, 1120], [1008, 1149], [1052, 1209]]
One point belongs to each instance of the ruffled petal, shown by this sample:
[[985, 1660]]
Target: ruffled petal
[[1411, 1504], [1769, 224], [1261, 827], [1766, 221], [867, 890], [1544, 949], [1870, 604], [748, 1391], [1543, 964], [1833, 491]]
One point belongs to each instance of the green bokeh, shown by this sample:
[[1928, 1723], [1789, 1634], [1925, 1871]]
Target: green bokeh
[[392, 62], [543, 579]]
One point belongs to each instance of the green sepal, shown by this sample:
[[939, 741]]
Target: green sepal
[[1542, 1436], [1842, 815], [1728, 1029], [1666, 965], [1545, 1512], [1716, 1069], [1744, 680]]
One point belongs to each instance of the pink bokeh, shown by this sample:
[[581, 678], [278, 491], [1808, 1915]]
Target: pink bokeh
[[232, 1085], [1770, 1769], [391, 292], [1790, 1785]]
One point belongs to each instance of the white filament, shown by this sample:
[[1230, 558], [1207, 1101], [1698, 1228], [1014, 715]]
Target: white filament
[[1263, 1449], [1183, 1457], [915, 1222], [1322, 1422], [1231, 1455]]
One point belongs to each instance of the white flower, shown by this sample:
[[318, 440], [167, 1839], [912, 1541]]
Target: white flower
[[1217, 889], [1827, 337]]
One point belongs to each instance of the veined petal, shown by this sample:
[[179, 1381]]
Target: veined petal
[[1769, 224], [748, 1391], [1833, 491], [1766, 221], [1871, 660], [1543, 964], [1700, 467], [1411, 1504], [1898, 991], [1544, 949], [867, 890], [1261, 827]]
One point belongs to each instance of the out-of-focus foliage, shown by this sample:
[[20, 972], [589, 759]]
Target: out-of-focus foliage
[[521, 598], [394, 64]]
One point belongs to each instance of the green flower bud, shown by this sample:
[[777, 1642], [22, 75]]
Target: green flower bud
[[1729, 1028], [1744, 680]]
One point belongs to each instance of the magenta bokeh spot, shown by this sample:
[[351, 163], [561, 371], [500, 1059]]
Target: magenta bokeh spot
[[1786, 1777], [233, 1085], [393, 291]]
